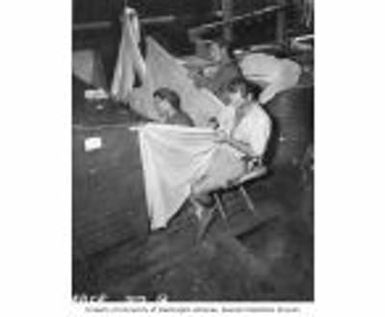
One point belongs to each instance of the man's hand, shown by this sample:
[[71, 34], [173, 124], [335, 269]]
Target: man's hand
[[221, 137], [198, 78]]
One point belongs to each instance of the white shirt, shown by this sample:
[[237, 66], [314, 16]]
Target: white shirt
[[226, 119], [253, 129], [271, 73]]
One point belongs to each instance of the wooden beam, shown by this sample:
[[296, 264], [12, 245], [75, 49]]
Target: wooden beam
[[97, 25], [91, 26], [194, 32]]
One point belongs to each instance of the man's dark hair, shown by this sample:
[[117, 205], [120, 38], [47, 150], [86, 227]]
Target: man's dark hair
[[244, 86], [170, 95]]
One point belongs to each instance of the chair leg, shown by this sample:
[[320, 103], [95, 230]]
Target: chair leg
[[221, 209], [249, 201], [204, 224]]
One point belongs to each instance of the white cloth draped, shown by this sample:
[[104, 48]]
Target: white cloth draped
[[130, 61], [164, 70], [175, 157], [272, 73], [172, 158]]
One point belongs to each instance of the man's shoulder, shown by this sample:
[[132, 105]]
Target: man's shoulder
[[259, 112], [182, 118]]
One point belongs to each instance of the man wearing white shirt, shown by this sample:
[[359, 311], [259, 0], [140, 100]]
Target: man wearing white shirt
[[243, 133]]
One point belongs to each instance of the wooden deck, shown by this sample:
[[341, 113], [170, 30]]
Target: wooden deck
[[269, 258]]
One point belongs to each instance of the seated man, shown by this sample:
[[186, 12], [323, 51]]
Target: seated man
[[224, 69], [244, 139], [167, 103]]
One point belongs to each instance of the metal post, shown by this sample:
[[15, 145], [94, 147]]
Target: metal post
[[227, 8], [248, 200], [281, 23]]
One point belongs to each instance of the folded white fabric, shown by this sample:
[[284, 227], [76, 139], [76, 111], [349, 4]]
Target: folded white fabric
[[272, 73], [130, 61], [172, 158]]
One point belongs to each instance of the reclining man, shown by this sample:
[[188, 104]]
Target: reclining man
[[224, 69], [167, 103]]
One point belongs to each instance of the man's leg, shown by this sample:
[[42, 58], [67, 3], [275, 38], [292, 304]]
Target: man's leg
[[224, 169], [200, 195]]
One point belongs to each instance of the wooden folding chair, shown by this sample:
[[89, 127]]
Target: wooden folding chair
[[256, 171]]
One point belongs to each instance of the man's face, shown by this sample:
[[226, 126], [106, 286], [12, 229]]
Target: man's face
[[235, 98], [162, 105], [216, 52]]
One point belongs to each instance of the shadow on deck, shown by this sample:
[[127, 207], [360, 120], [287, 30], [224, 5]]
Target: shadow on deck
[[270, 258]]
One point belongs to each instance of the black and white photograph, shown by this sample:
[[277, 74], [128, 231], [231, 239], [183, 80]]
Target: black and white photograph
[[158, 158], [192, 150]]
